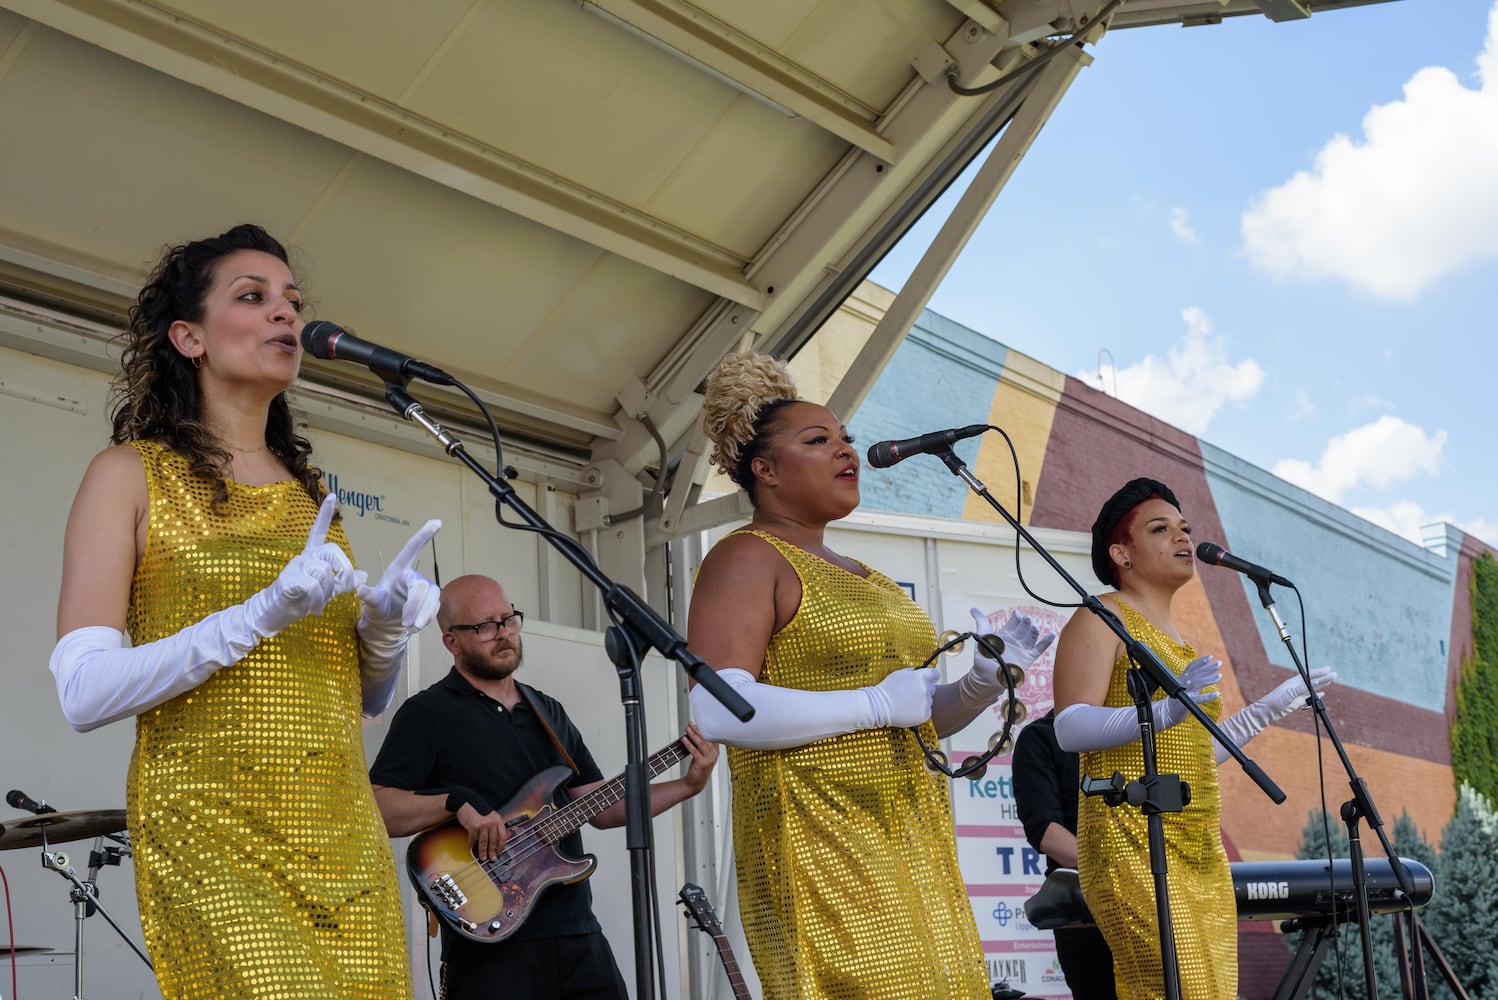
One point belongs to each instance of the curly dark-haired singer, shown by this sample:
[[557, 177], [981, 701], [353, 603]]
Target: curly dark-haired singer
[[262, 866]]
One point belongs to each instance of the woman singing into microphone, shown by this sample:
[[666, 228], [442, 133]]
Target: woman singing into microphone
[[1141, 545], [262, 865], [846, 857]]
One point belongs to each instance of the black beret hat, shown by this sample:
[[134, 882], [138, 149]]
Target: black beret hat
[[1130, 495]]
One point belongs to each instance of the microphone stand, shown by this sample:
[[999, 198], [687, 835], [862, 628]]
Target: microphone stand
[[637, 627], [1155, 793], [1356, 809], [85, 899]]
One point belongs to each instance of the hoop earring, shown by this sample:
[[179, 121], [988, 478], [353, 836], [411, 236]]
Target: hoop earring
[[197, 360]]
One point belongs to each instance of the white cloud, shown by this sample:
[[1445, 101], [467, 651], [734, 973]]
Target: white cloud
[[1377, 455], [1180, 224], [1482, 527], [1304, 408], [1410, 202], [1403, 517], [1406, 518], [1191, 383], [1368, 401]]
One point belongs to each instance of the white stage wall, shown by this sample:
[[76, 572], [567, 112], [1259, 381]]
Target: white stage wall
[[57, 420]]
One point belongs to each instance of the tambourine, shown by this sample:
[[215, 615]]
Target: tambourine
[[1013, 710]]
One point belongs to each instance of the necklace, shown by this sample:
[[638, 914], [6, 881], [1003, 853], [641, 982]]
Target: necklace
[[246, 451]]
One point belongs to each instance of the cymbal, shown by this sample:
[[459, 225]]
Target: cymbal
[[61, 827]]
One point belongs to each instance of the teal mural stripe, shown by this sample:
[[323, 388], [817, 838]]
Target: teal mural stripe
[[1378, 606], [942, 375]]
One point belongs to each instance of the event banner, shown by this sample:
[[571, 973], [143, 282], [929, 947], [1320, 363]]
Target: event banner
[[1000, 868]]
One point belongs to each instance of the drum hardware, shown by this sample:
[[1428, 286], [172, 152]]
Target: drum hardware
[[61, 827], [48, 828]]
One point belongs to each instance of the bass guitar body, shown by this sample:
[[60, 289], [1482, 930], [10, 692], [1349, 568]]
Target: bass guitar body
[[486, 901]]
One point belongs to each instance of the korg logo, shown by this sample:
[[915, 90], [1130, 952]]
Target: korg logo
[[1267, 890]]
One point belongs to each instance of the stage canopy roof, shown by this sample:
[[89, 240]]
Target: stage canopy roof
[[576, 206]]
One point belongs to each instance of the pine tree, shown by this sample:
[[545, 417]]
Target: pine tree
[[1463, 916], [1409, 843], [1341, 972]]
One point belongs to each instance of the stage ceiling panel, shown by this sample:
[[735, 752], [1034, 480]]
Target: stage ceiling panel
[[577, 205]]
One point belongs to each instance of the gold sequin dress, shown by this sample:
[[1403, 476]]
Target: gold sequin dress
[[847, 862], [1113, 850], [262, 867]]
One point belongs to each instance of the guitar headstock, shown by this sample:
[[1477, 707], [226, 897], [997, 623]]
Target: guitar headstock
[[699, 909]]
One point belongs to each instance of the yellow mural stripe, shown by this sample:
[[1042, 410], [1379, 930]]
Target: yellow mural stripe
[[1024, 404]]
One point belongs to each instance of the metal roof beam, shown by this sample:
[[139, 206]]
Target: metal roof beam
[[1051, 85], [740, 62], [199, 55], [1193, 13], [797, 260]]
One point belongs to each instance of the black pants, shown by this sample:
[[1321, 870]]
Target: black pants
[[577, 967], [1086, 962]]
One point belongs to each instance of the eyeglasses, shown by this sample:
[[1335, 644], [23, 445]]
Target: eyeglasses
[[488, 630]]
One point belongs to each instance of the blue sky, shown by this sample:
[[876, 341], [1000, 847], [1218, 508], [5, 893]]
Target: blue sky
[[1286, 238]]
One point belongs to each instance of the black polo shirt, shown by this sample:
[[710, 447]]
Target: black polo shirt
[[1047, 781], [454, 734]]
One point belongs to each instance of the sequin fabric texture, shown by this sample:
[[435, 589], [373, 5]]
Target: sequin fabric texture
[[847, 863], [1113, 849], [262, 867]]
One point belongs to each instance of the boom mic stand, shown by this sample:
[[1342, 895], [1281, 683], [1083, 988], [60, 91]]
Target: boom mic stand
[[638, 627], [1152, 793], [1356, 809]]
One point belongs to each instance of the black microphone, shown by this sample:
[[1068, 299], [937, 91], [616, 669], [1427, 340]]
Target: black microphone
[[331, 342], [883, 454], [1211, 552], [17, 799]]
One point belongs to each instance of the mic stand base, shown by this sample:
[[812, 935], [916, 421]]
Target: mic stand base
[[1409, 940]]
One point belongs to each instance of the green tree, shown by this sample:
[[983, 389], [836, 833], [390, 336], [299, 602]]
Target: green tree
[[1474, 731], [1463, 916], [1341, 972], [1410, 844]]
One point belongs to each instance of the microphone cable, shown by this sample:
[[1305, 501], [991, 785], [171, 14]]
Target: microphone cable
[[10, 923]]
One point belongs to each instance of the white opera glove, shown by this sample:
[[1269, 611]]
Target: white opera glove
[[1249, 721], [1092, 727], [788, 717], [957, 704], [305, 586], [400, 603], [100, 681]]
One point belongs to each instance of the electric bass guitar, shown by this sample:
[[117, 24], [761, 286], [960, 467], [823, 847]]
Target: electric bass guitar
[[700, 911], [486, 901]]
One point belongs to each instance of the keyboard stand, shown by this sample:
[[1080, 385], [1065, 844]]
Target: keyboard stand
[[1300, 975]]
